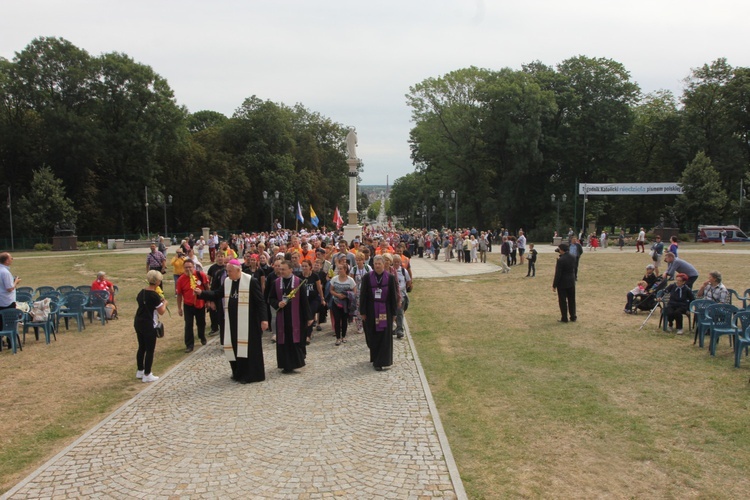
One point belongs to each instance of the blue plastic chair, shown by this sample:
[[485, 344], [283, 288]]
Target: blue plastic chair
[[10, 319], [698, 310], [24, 296], [742, 340], [25, 289], [721, 317], [85, 289], [65, 289], [73, 308], [97, 303], [663, 317], [43, 290], [47, 325]]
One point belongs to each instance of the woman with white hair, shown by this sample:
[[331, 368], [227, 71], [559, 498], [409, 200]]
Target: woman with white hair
[[150, 306]]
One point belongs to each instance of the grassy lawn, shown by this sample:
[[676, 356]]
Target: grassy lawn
[[532, 408], [54, 393], [535, 408]]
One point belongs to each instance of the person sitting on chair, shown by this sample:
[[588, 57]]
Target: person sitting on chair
[[714, 289], [101, 283], [680, 296]]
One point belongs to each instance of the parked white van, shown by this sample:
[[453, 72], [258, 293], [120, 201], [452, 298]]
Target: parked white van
[[709, 234]]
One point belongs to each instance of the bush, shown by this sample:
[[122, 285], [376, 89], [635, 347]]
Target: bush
[[43, 247], [90, 245]]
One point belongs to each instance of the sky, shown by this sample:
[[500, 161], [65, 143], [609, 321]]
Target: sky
[[354, 61]]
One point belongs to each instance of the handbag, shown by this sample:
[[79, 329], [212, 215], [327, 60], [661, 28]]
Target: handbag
[[159, 330]]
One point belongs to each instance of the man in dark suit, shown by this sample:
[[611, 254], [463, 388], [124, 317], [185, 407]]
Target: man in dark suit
[[565, 283]]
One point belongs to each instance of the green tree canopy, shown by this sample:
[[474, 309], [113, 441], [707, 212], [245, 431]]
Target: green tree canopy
[[45, 205]]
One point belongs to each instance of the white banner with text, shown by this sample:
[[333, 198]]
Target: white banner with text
[[630, 188]]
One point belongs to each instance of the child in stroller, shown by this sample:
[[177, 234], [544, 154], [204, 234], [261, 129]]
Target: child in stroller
[[640, 289], [647, 301]]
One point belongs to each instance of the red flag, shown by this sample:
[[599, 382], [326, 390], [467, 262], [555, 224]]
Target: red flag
[[337, 219]]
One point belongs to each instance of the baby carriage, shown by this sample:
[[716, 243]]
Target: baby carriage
[[648, 301]]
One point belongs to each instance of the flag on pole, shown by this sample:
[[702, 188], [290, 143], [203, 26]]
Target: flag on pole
[[337, 219], [300, 218], [313, 218]]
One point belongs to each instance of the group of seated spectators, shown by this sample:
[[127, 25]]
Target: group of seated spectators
[[677, 295]]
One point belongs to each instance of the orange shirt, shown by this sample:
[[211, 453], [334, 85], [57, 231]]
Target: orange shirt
[[379, 250]]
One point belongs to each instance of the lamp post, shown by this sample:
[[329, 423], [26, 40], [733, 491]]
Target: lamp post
[[167, 201], [424, 214], [564, 199], [585, 200], [441, 193], [148, 229], [265, 197], [454, 195]]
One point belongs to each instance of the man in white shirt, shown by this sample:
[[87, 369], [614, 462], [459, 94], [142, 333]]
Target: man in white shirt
[[640, 242]]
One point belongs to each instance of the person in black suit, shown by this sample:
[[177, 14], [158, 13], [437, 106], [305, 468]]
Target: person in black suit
[[565, 283]]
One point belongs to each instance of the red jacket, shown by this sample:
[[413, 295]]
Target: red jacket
[[186, 291]]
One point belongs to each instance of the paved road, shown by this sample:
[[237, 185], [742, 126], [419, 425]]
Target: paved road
[[336, 428]]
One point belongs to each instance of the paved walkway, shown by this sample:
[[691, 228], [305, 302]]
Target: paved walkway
[[336, 428]]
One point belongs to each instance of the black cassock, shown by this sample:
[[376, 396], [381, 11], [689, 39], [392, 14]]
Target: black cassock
[[290, 344], [251, 368], [380, 342]]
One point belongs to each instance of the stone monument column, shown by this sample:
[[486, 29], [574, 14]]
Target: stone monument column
[[352, 229]]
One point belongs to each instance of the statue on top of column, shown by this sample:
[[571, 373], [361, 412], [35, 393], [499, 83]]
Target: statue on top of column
[[351, 143]]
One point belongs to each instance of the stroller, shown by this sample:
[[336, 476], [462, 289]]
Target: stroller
[[648, 301]]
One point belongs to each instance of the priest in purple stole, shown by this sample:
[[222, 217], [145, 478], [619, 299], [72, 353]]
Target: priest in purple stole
[[292, 317], [378, 303]]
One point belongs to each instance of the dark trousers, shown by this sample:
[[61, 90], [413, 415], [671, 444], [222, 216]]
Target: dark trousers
[[340, 321], [146, 347], [190, 312], [420, 251], [566, 297], [675, 313], [213, 315], [212, 254], [532, 269], [467, 256]]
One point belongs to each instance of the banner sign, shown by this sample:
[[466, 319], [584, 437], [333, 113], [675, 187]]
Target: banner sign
[[630, 188]]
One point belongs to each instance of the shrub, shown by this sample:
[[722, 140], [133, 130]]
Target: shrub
[[43, 247], [90, 245]]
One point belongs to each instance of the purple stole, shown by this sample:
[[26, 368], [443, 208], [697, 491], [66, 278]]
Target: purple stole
[[381, 314], [294, 305]]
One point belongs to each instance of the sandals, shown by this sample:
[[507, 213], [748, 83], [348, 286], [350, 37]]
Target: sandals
[[343, 340], [338, 342]]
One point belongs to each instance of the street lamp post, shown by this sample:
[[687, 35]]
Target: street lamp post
[[148, 229], [553, 198], [454, 195], [167, 201], [585, 200], [442, 195], [276, 196]]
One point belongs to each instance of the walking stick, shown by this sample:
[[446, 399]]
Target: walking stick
[[658, 303]]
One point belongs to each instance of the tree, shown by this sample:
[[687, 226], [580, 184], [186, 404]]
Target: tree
[[46, 205], [447, 143], [703, 200]]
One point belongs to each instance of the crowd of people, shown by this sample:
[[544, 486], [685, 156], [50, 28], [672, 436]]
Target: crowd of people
[[286, 283]]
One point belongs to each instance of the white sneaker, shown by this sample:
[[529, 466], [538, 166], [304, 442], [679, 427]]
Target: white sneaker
[[150, 378], [139, 374], [680, 332]]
